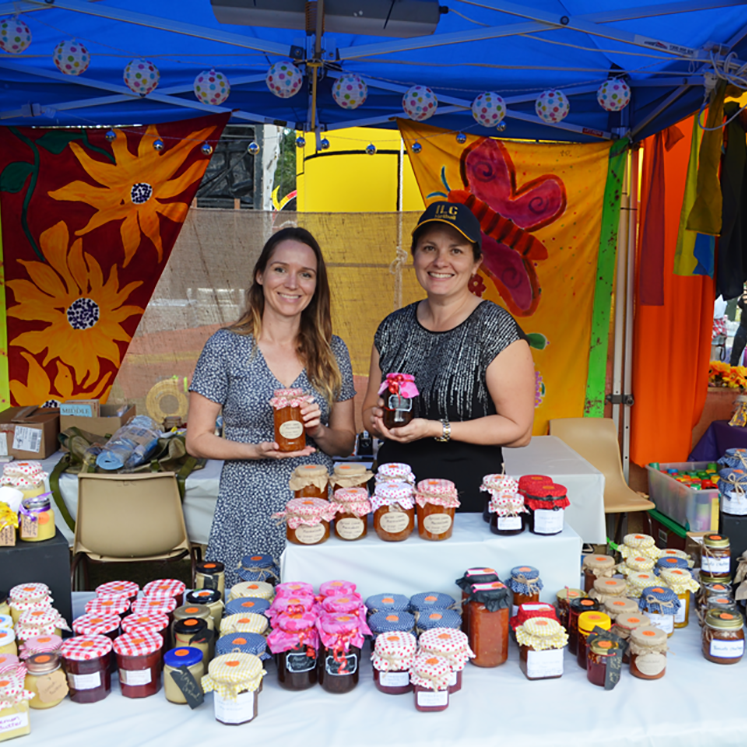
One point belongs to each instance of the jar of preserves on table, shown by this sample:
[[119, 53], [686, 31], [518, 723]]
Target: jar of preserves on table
[[350, 475], [723, 637], [114, 606], [710, 587], [504, 506], [670, 562], [587, 621], [45, 678], [473, 576], [597, 566], [36, 519], [392, 658], [310, 481], [294, 641], [563, 600], [648, 652], [576, 608], [173, 661], [248, 622], [394, 510], [94, 624], [247, 604], [661, 604], [682, 583], [338, 669], [671, 552], [635, 563], [139, 663], [715, 558], [638, 581], [725, 604], [387, 603], [234, 679], [546, 506], [489, 606], [259, 567], [86, 660], [615, 606], [307, 520], [290, 605], [210, 575], [202, 611], [336, 587], [389, 621], [639, 544], [14, 706], [437, 502], [353, 508], [394, 472], [525, 585], [166, 588], [452, 645], [599, 655], [246, 643], [289, 588], [351, 603], [429, 601], [211, 598], [430, 675], [153, 606], [607, 588], [127, 589], [625, 624], [260, 589], [40, 622], [290, 433], [542, 642], [398, 391], [155, 623], [428, 620]]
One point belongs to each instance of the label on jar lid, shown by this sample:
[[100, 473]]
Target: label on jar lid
[[190, 688], [432, 698], [548, 663], [236, 711], [349, 529], [84, 681], [291, 429], [310, 535], [394, 522], [437, 523], [394, 679]]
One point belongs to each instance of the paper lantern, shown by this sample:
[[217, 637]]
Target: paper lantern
[[71, 57], [488, 109], [141, 76], [613, 95], [349, 91], [284, 79], [552, 106], [15, 35], [211, 87], [419, 103]]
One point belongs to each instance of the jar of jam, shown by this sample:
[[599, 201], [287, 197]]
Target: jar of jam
[[452, 645], [635, 563], [234, 680], [211, 598], [563, 601], [183, 656], [259, 567], [246, 643], [350, 475], [349, 603], [546, 506], [398, 391], [437, 501], [600, 653], [338, 669], [387, 603], [504, 502], [638, 581], [294, 641], [605, 588], [716, 556], [86, 660], [473, 576], [671, 552], [625, 624], [723, 637], [576, 608], [725, 604], [153, 606], [202, 612], [394, 472], [290, 588], [542, 642], [154, 623], [394, 510], [353, 507], [166, 588], [307, 520], [587, 621], [310, 481], [93, 624], [597, 566], [290, 434], [139, 663], [389, 621], [670, 562], [682, 583], [430, 675], [210, 575], [127, 589], [392, 658], [336, 587], [247, 622], [615, 606], [639, 544], [247, 604], [661, 605], [36, 520], [525, 585], [290, 605], [488, 623], [709, 587], [429, 601], [25, 597], [648, 653], [114, 606], [438, 619], [8, 643], [14, 706], [45, 678], [40, 622], [531, 610], [259, 589]]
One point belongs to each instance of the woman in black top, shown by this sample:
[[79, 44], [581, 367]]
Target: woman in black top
[[471, 363]]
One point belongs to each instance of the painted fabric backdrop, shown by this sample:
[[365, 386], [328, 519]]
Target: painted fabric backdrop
[[87, 228], [540, 207]]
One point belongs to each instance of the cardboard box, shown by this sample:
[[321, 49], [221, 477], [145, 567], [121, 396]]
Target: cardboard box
[[29, 432], [104, 425]]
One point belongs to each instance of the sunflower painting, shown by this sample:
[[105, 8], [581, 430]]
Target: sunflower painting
[[87, 228]]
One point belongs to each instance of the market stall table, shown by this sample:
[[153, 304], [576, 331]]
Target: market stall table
[[719, 437]]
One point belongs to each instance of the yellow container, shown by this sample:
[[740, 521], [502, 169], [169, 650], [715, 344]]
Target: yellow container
[[8, 642], [46, 680], [37, 518], [14, 720]]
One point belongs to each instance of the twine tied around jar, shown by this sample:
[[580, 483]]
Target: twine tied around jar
[[534, 585], [666, 607], [263, 573], [395, 662], [662, 648]]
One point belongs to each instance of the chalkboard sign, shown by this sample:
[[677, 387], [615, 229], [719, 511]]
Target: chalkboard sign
[[614, 661], [191, 689]]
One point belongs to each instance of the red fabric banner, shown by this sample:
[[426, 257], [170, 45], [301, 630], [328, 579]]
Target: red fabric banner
[[88, 224]]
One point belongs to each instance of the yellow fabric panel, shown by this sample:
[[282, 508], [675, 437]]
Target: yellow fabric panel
[[4, 378]]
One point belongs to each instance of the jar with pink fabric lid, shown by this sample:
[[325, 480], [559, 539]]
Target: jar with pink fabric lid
[[166, 588], [113, 606], [395, 472], [40, 622], [294, 641], [452, 645], [86, 660], [347, 604], [335, 587], [338, 668], [288, 604], [394, 510], [398, 391], [353, 507], [127, 589], [290, 434], [437, 501], [28, 477], [430, 676], [391, 660], [307, 520], [293, 588], [42, 644], [139, 663]]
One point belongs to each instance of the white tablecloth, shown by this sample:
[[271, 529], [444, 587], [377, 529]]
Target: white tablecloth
[[545, 455], [696, 704]]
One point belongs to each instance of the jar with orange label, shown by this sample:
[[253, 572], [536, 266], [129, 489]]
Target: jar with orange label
[[294, 641], [600, 653], [437, 502], [576, 608], [625, 624], [394, 511], [307, 520], [716, 556], [350, 475], [525, 584], [597, 566], [290, 434], [45, 678], [310, 481], [723, 636], [353, 507], [392, 658], [587, 621], [430, 675], [648, 653], [563, 600], [210, 575], [489, 607]]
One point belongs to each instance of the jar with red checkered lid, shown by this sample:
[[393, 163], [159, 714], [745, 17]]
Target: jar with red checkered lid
[[165, 588], [127, 589], [139, 663], [86, 661]]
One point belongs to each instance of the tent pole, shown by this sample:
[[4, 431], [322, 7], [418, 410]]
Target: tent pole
[[630, 292], [620, 283]]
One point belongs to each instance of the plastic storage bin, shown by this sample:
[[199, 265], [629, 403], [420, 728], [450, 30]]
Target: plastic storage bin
[[696, 510]]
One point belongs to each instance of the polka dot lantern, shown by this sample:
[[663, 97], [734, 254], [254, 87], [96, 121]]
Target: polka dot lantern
[[71, 57], [141, 76], [211, 87], [613, 95], [349, 91], [552, 106], [15, 35], [489, 109], [284, 79], [419, 103]]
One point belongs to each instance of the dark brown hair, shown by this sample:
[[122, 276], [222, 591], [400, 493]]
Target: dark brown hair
[[315, 333]]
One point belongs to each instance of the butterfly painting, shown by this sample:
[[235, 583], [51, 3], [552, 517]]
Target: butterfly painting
[[508, 216]]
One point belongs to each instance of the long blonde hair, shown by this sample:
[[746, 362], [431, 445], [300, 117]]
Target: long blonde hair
[[314, 339]]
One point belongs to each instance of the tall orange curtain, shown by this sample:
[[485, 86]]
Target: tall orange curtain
[[672, 342]]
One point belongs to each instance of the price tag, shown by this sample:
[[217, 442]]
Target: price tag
[[189, 686], [614, 661], [27, 439], [29, 528], [52, 687]]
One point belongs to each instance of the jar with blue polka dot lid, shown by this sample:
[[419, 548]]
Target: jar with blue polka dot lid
[[247, 604], [386, 602], [525, 584], [388, 621], [259, 567], [431, 600], [246, 643], [429, 619], [661, 604]]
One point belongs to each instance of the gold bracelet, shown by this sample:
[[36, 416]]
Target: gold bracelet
[[445, 431]]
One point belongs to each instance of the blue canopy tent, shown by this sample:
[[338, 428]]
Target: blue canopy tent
[[667, 52]]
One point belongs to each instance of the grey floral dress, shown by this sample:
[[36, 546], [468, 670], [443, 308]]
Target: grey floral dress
[[232, 372]]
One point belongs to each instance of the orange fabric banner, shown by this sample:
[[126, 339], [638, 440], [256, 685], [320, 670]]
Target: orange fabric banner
[[672, 342]]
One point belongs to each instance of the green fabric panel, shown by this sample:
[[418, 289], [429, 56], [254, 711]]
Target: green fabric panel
[[606, 258], [4, 377]]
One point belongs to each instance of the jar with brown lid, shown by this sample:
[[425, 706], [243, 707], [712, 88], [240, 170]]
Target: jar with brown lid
[[615, 606], [715, 558], [648, 652], [607, 588], [624, 626], [597, 566], [723, 637], [310, 481], [350, 475]]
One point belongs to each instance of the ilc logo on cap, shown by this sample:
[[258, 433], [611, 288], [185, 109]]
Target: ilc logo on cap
[[449, 212]]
